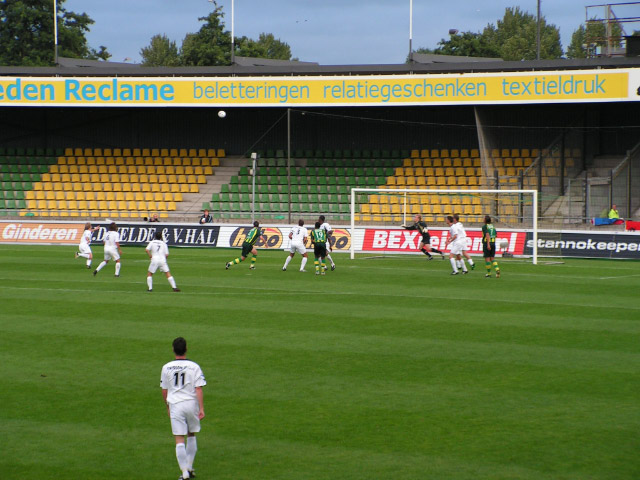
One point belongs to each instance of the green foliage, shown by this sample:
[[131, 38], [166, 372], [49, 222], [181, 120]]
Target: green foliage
[[512, 38], [27, 33], [161, 52], [587, 41], [211, 46]]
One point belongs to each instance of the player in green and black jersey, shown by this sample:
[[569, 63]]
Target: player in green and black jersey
[[249, 246], [425, 244], [489, 246], [319, 240]]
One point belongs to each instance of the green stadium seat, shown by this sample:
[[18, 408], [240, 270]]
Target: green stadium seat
[[206, 206]]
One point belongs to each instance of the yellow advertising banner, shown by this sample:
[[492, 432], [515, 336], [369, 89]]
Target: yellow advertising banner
[[381, 90]]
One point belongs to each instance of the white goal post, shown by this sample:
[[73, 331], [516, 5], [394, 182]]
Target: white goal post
[[405, 200]]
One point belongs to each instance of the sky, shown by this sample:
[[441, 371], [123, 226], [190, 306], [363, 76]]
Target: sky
[[330, 32]]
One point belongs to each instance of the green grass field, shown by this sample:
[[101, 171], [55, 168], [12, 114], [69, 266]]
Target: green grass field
[[386, 368]]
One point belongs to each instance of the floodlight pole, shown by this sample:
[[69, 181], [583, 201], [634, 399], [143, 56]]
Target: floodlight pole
[[410, 31], [538, 34], [55, 32], [233, 41]]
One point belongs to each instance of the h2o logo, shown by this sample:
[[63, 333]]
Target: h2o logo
[[274, 237]]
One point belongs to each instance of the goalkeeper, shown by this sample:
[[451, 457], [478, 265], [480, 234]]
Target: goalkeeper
[[425, 243]]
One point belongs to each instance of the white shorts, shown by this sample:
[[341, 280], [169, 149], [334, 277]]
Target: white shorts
[[297, 247], [455, 247], [184, 417], [163, 266], [111, 253], [84, 248]]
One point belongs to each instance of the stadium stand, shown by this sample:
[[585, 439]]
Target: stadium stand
[[85, 182]]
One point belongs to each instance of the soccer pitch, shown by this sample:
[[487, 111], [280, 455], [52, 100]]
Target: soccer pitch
[[387, 368]]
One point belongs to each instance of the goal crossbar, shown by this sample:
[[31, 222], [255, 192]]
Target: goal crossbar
[[414, 191]]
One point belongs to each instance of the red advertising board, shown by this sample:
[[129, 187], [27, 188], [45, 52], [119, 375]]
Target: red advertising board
[[59, 233], [394, 240]]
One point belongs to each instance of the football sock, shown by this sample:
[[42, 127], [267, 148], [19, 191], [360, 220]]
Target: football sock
[[495, 265], [192, 448], [488, 267], [330, 259], [426, 253], [464, 266], [322, 266], [453, 264], [286, 262], [118, 268], [253, 260], [181, 455], [470, 260], [101, 266], [172, 282], [85, 255], [304, 262], [89, 263], [317, 264], [150, 282], [236, 261], [436, 251], [459, 263]]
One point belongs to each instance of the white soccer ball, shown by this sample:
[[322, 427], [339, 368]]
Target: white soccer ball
[[504, 244], [222, 114]]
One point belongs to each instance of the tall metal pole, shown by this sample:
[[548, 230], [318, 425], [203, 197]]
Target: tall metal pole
[[538, 34], [410, 31], [55, 32], [233, 38], [289, 161]]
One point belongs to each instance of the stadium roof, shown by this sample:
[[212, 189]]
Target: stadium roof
[[250, 67]]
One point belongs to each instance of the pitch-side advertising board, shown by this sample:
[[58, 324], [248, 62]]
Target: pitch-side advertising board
[[584, 244]]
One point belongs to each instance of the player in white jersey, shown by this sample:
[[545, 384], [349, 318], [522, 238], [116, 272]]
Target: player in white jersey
[[158, 253], [111, 249], [181, 381], [327, 228], [463, 239], [84, 249], [298, 236], [455, 243]]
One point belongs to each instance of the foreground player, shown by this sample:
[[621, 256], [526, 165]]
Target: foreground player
[[248, 246], [319, 240], [489, 246], [463, 241], [158, 253], [84, 249], [111, 249], [455, 246], [425, 243], [327, 228], [298, 236], [181, 381]]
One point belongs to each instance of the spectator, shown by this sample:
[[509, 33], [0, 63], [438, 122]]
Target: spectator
[[154, 218], [613, 213], [206, 218]]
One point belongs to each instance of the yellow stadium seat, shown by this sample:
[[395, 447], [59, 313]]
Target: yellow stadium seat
[[220, 153], [193, 188]]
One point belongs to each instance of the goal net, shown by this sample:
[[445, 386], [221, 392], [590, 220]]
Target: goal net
[[512, 212]]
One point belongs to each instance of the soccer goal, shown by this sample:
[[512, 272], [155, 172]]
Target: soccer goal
[[512, 211]]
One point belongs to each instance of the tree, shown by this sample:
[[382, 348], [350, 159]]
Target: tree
[[161, 52], [512, 38], [27, 31], [267, 46], [211, 45], [585, 41]]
